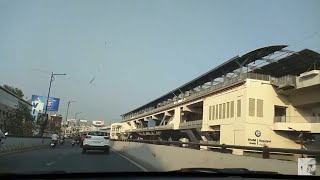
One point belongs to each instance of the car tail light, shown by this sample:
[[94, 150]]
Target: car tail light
[[88, 137]]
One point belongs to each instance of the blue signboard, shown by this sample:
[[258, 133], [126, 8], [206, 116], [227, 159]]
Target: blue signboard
[[38, 102]]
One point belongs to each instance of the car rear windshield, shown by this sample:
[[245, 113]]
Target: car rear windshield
[[95, 133]]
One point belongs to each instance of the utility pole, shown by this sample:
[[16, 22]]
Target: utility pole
[[68, 110], [46, 109], [67, 116], [75, 116], [76, 123]]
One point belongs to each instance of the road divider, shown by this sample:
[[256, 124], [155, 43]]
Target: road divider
[[18, 144], [168, 158]]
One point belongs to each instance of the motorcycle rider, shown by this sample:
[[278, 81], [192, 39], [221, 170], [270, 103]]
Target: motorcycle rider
[[77, 138], [61, 139], [55, 137]]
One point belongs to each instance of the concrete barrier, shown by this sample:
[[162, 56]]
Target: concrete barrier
[[168, 158], [12, 144]]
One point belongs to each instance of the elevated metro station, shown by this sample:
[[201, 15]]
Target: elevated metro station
[[267, 97]]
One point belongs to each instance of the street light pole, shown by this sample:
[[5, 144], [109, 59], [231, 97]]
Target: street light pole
[[46, 109], [67, 116], [75, 116], [68, 110]]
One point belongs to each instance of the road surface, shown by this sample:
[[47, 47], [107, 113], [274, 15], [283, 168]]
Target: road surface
[[64, 158]]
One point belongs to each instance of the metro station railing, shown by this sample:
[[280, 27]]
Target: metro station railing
[[191, 123], [224, 148], [296, 119], [195, 95], [289, 79]]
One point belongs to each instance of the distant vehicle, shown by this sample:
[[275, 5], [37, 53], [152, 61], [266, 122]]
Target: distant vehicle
[[73, 142], [96, 140], [53, 143], [61, 141]]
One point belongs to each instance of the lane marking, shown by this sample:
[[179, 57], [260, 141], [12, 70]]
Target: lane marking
[[138, 165], [60, 156], [50, 163]]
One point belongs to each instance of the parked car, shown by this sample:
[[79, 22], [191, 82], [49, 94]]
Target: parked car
[[96, 140]]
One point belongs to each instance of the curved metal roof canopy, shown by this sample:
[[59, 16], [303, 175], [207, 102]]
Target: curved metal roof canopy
[[228, 66], [294, 64]]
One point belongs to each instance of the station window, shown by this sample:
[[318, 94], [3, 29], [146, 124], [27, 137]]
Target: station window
[[259, 108], [215, 136], [252, 106], [232, 109], [210, 112], [213, 109], [228, 109], [220, 111], [224, 111], [280, 113], [239, 108], [217, 111]]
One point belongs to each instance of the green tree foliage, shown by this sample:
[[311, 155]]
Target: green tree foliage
[[14, 90], [20, 121]]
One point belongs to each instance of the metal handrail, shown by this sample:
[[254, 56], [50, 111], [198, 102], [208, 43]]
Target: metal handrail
[[296, 119], [192, 96], [288, 79], [265, 150], [191, 123]]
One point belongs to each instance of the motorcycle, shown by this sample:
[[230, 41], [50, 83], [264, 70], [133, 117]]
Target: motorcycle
[[73, 142], [78, 142], [61, 141], [53, 143]]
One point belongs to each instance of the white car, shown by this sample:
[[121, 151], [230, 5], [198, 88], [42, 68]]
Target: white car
[[96, 140]]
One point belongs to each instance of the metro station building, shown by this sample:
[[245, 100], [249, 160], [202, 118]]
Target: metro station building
[[266, 97]]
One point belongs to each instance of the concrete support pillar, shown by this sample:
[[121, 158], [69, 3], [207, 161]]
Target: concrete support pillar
[[176, 118]]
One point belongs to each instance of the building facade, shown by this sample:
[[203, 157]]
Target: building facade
[[267, 97], [9, 102]]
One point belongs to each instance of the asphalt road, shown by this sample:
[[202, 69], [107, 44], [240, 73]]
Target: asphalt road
[[64, 158]]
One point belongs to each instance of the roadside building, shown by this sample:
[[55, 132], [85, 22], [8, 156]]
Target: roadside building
[[9, 102]]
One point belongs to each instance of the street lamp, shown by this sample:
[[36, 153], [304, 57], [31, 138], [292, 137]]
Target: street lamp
[[68, 110], [75, 116], [45, 111], [67, 116]]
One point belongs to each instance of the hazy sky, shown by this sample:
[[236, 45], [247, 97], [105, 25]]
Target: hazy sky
[[137, 49]]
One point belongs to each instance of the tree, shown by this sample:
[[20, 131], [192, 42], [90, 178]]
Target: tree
[[20, 121], [14, 90]]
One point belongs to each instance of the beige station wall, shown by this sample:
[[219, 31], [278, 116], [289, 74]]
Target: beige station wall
[[265, 91], [242, 130], [232, 128]]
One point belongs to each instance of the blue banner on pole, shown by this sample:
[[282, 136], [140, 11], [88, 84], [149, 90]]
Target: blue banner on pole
[[53, 103]]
